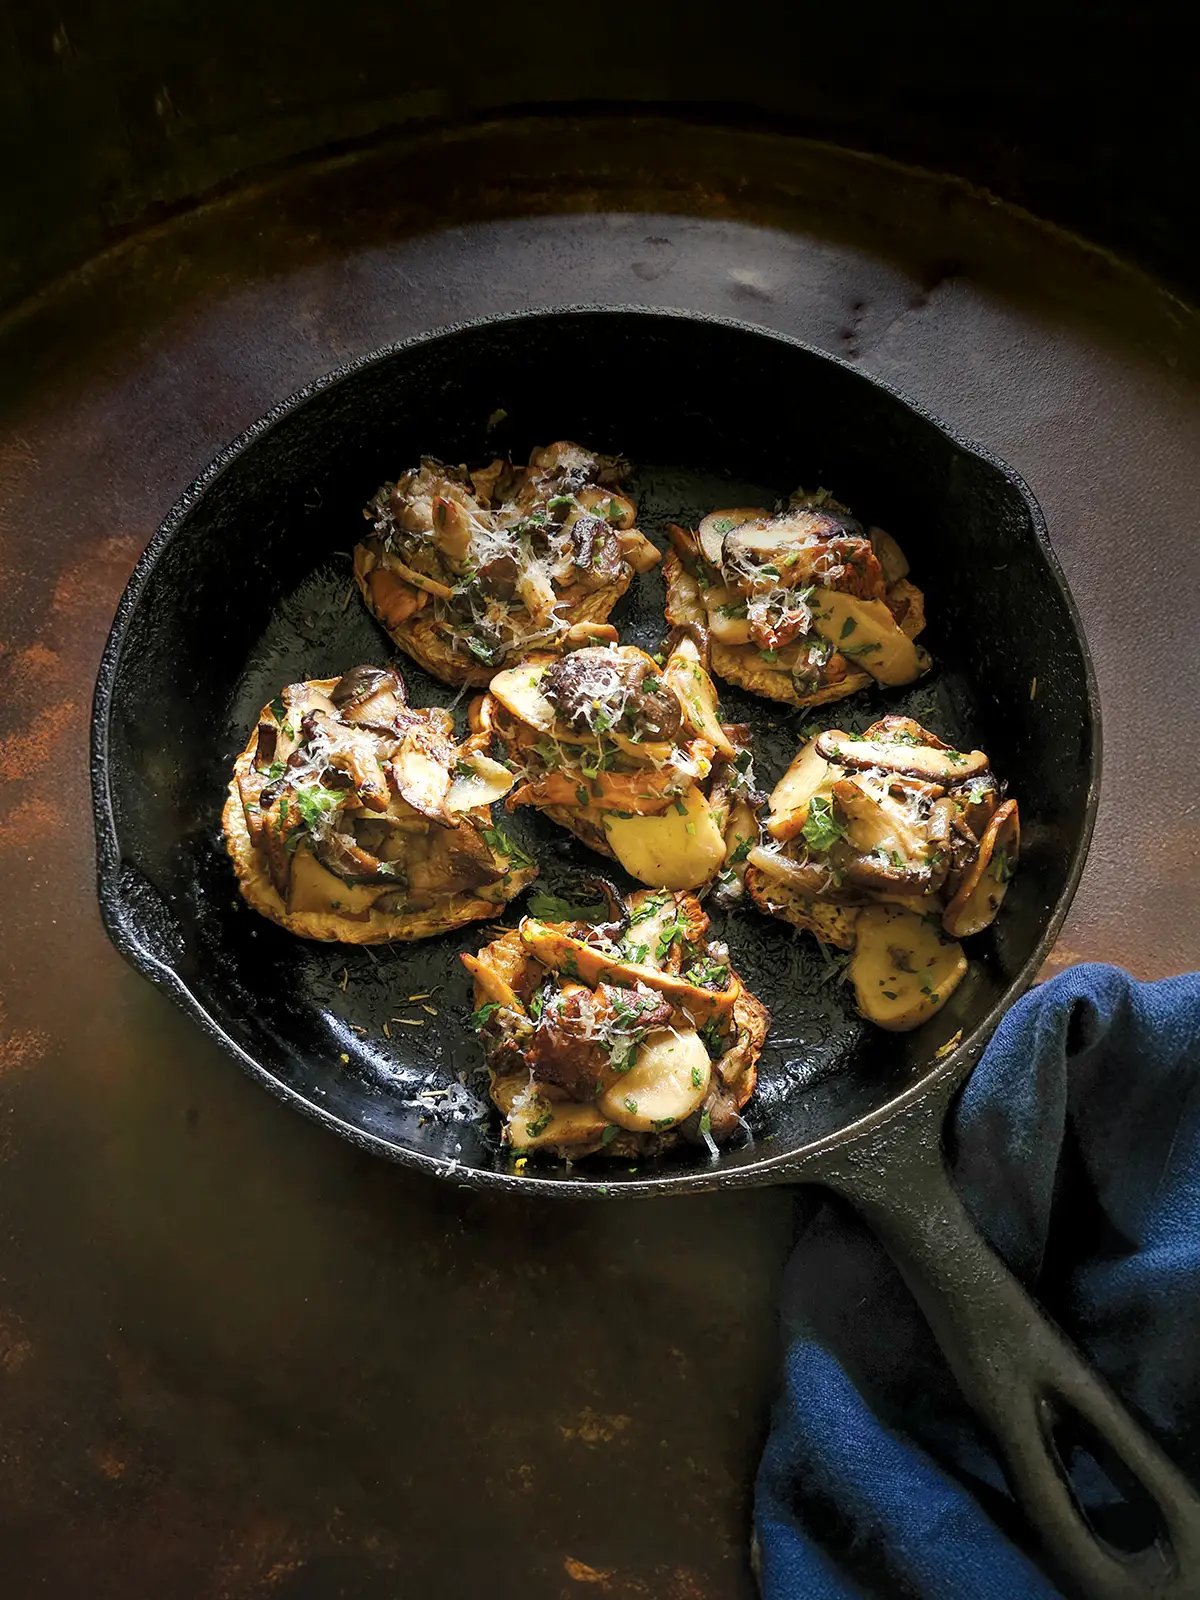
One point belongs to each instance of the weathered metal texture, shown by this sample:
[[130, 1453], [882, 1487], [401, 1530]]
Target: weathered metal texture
[[237, 1358]]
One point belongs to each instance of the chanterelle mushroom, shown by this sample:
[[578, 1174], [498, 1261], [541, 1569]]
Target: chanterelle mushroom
[[601, 1042], [468, 572], [353, 816], [804, 606], [630, 755], [892, 845]]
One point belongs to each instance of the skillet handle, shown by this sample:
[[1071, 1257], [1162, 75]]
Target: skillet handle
[[1018, 1371]]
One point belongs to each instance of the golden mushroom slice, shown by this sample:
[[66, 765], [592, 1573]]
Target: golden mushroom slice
[[809, 774], [667, 1082], [936, 764], [620, 1037], [904, 968], [866, 632], [679, 848], [986, 883]]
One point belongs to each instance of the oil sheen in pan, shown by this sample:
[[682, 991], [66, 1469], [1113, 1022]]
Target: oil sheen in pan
[[415, 1049]]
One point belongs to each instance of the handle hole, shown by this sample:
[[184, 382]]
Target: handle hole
[[1110, 1496]]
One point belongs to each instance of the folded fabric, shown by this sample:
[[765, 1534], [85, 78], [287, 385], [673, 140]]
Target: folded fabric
[[1076, 1148]]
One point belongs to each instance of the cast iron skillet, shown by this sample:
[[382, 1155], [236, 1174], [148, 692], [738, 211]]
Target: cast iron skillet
[[246, 586]]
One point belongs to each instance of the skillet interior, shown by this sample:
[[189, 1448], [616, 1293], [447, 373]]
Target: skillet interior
[[247, 586]]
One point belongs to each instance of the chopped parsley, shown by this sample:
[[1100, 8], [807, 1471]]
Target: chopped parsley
[[848, 627], [742, 851], [499, 841], [560, 502], [859, 649], [652, 904], [707, 974], [671, 931], [609, 1134], [630, 1104], [478, 1018], [554, 908], [583, 796], [277, 709], [976, 795], [660, 1123], [821, 828], [533, 1130], [697, 1077], [769, 655]]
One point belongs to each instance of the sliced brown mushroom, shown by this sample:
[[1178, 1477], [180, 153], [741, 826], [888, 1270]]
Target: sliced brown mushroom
[[453, 526], [579, 960], [875, 824], [641, 554], [421, 773], [772, 540], [477, 781], [806, 877], [712, 530], [264, 750], [914, 760], [347, 860], [582, 634], [352, 751], [312, 887], [903, 968], [697, 695], [986, 881], [371, 696], [894, 729]]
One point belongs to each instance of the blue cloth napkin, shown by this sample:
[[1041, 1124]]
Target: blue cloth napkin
[[1076, 1148]]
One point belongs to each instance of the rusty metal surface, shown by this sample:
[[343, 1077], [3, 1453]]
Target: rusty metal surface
[[238, 1359]]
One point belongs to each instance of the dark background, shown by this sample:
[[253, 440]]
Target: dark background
[[238, 1359]]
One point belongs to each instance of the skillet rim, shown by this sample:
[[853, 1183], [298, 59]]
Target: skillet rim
[[785, 1167]]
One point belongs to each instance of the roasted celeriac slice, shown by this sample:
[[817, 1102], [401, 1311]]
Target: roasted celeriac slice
[[469, 572], [354, 816], [891, 845], [803, 606], [616, 1037], [628, 753]]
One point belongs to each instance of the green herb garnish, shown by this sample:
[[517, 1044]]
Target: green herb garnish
[[821, 828]]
